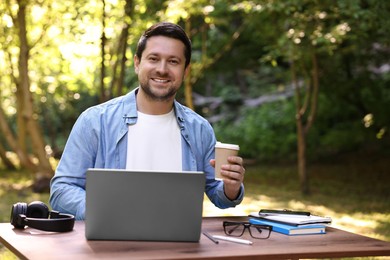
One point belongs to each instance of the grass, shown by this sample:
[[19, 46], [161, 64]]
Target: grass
[[354, 191]]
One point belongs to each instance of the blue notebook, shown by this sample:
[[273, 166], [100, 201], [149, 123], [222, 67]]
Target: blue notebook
[[291, 230]]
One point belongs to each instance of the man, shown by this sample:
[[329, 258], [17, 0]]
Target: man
[[146, 129]]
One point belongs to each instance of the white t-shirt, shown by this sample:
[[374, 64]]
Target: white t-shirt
[[154, 143]]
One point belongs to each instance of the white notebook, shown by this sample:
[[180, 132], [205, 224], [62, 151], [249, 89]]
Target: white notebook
[[293, 219]]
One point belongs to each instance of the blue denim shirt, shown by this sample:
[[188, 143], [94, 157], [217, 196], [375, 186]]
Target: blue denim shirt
[[99, 140]]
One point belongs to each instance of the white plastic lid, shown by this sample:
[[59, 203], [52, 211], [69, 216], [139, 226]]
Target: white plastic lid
[[227, 146]]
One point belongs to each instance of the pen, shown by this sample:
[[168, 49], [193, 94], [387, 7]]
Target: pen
[[235, 240], [210, 237]]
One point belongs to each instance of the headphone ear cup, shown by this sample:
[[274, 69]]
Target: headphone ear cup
[[37, 209], [18, 209]]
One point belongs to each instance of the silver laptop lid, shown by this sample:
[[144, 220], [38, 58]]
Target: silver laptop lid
[[143, 205]]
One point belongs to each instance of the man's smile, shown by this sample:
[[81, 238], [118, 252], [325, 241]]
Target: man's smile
[[159, 80]]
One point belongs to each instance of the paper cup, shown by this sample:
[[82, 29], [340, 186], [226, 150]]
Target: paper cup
[[222, 152]]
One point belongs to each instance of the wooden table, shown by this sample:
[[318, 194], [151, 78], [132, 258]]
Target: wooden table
[[34, 244]]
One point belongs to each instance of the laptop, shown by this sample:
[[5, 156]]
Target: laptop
[[144, 205]]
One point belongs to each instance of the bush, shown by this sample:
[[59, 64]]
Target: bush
[[265, 133]]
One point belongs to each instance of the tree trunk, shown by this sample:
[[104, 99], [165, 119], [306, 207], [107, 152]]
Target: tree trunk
[[103, 96], [33, 129], [188, 82], [301, 148], [301, 136], [13, 143], [121, 78], [3, 156], [119, 67], [21, 123], [129, 7], [303, 126]]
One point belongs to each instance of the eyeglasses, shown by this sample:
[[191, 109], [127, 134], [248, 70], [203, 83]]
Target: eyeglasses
[[237, 229]]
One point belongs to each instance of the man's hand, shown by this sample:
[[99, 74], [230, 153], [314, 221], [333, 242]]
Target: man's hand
[[233, 175]]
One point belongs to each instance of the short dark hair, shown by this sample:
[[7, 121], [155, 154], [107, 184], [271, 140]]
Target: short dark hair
[[167, 29]]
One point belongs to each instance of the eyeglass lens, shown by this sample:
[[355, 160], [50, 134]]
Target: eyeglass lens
[[238, 229]]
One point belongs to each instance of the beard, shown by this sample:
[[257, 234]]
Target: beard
[[156, 95]]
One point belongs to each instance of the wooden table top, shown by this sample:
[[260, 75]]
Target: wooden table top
[[34, 244]]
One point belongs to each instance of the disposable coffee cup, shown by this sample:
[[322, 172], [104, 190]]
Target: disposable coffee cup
[[222, 152]]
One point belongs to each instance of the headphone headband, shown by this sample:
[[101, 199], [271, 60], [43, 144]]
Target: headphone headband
[[37, 215]]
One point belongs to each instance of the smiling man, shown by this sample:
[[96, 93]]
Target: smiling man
[[147, 129]]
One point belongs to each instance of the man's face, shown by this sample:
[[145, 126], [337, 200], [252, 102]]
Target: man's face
[[161, 69]]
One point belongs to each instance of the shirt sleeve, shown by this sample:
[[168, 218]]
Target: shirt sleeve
[[215, 192], [215, 188], [67, 188]]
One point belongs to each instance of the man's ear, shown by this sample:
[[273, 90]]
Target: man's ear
[[136, 64], [187, 71]]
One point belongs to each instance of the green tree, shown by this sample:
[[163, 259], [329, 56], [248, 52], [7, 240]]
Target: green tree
[[27, 119], [33, 66], [303, 37]]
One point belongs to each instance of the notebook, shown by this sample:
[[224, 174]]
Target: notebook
[[296, 220], [291, 230], [143, 205]]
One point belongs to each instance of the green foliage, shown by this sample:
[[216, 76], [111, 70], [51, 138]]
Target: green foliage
[[57, 115], [265, 133], [241, 50]]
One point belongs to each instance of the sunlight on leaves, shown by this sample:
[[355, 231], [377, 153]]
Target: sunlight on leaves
[[7, 20], [368, 120], [381, 133]]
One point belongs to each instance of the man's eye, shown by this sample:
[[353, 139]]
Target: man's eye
[[153, 59], [174, 62]]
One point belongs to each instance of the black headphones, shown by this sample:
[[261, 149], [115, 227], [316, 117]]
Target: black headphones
[[37, 215]]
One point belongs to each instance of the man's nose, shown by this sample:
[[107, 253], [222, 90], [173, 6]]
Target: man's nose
[[162, 67]]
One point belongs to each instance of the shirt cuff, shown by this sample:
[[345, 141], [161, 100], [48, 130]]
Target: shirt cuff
[[240, 196], [225, 201]]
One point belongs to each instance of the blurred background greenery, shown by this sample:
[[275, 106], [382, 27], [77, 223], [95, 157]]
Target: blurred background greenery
[[294, 83], [261, 71]]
